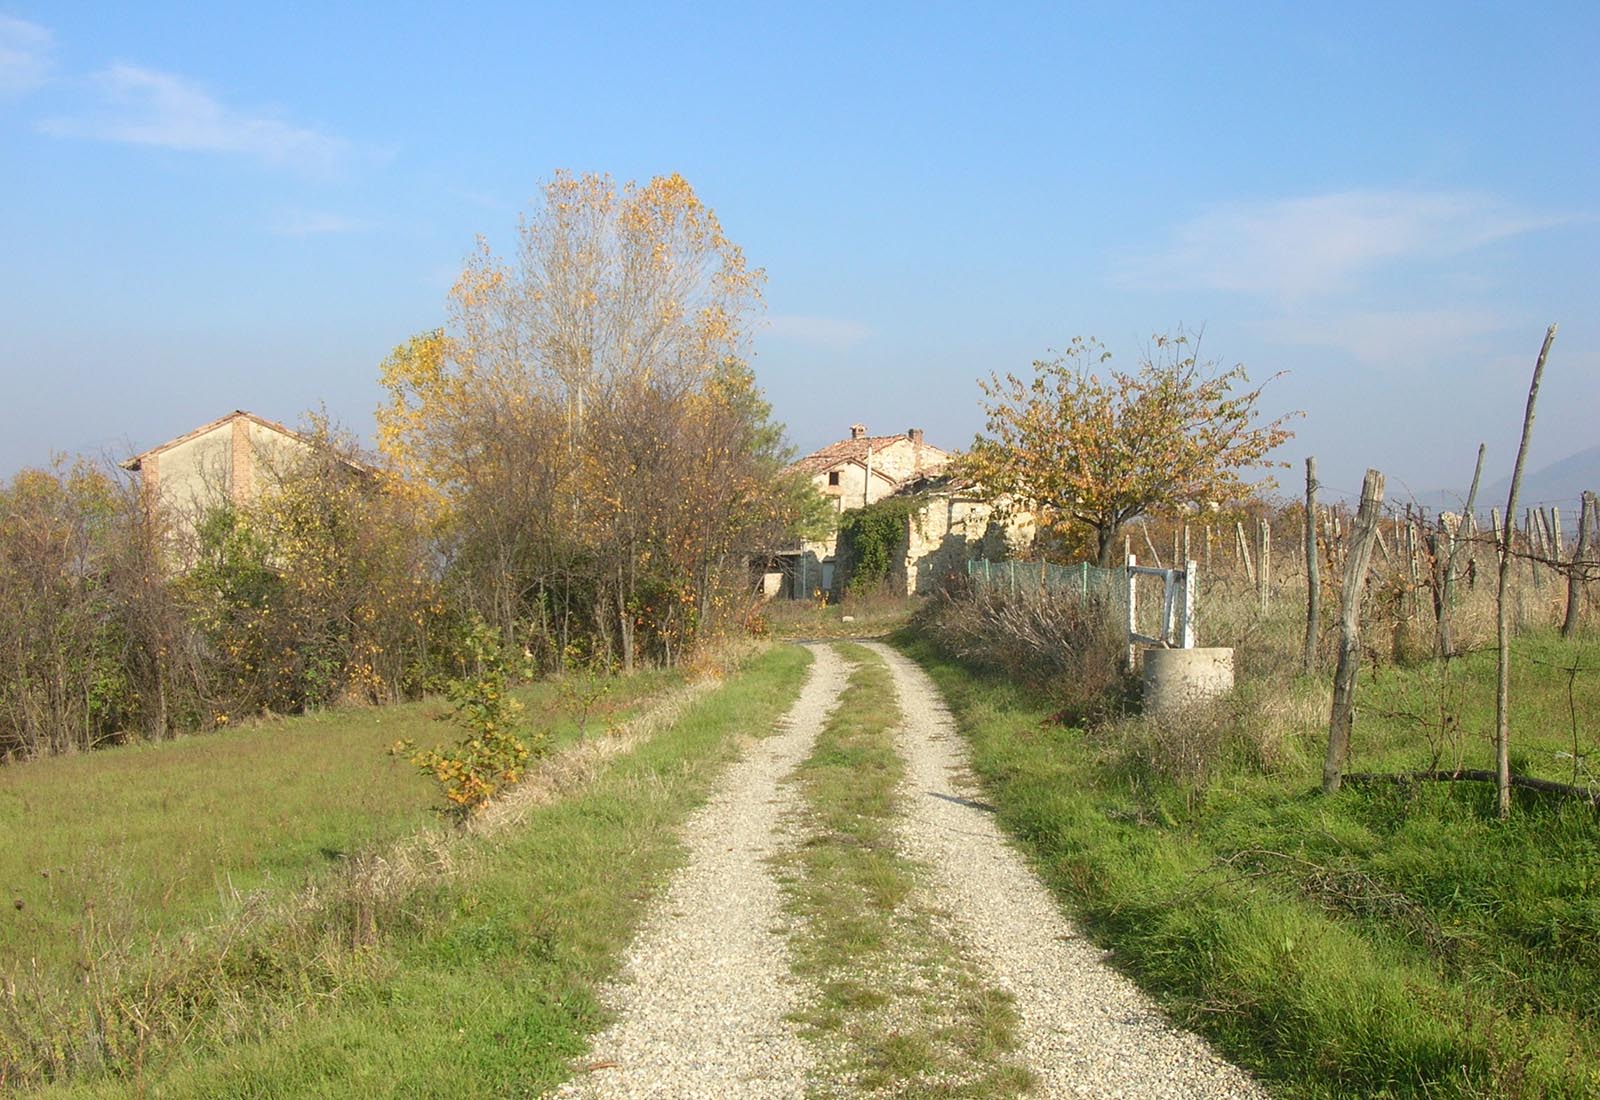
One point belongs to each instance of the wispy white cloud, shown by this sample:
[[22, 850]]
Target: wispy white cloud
[[1397, 339], [138, 106], [1293, 249], [316, 223], [25, 55], [833, 333]]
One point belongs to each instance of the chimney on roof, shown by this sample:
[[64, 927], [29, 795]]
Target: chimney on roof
[[858, 431], [915, 435]]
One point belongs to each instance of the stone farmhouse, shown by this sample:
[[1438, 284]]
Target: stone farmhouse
[[948, 525], [229, 459]]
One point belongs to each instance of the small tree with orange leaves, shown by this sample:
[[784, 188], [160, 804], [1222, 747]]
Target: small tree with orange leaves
[[1084, 443]]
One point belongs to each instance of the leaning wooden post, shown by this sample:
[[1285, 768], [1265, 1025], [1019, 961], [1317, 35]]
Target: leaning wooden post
[[1383, 547], [1576, 574], [1344, 676], [1244, 550], [1502, 695], [1313, 572], [1155, 555]]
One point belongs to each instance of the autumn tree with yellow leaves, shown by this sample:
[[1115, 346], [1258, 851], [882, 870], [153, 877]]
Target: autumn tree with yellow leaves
[[1083, 443], [586, 430]]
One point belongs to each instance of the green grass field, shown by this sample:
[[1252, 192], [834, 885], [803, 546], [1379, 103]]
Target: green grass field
[[1391, 941], [161, 837], [201, 894]]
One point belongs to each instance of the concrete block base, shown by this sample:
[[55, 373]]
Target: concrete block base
[[1178, 678]]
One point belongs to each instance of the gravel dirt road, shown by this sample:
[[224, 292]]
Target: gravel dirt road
[[706, 991], [1086, 1030]]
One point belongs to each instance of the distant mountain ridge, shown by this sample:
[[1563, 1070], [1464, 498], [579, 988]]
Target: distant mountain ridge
[[1559, 484]]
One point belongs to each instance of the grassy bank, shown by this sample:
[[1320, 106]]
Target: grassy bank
[[474, 975], [159, 838], [899, 1010], [1393, 941]]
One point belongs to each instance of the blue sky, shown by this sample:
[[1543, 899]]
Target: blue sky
[[204, 208]]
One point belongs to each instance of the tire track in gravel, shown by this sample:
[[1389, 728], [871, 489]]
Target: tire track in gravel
[[705, 994], [1086, 1030]]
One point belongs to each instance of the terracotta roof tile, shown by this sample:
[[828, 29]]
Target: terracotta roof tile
[[853, 450]]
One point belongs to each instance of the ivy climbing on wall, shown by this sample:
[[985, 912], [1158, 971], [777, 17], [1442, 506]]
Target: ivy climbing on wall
[[871, 537]]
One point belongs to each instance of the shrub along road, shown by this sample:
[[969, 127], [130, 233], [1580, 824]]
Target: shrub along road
[[952, 971]]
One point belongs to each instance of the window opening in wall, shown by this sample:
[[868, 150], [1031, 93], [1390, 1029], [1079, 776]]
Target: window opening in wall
[[833, 477]]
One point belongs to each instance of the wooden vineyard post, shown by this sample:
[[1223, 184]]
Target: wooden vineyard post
[[1439, 563], [1471, 522], [1313, 572], [1264, 562], [1383, 547], [1243, 551], [1535, 548], [1502, 697], [1462, 533], [1576, 575], [1344, 676], [1415, 567]]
